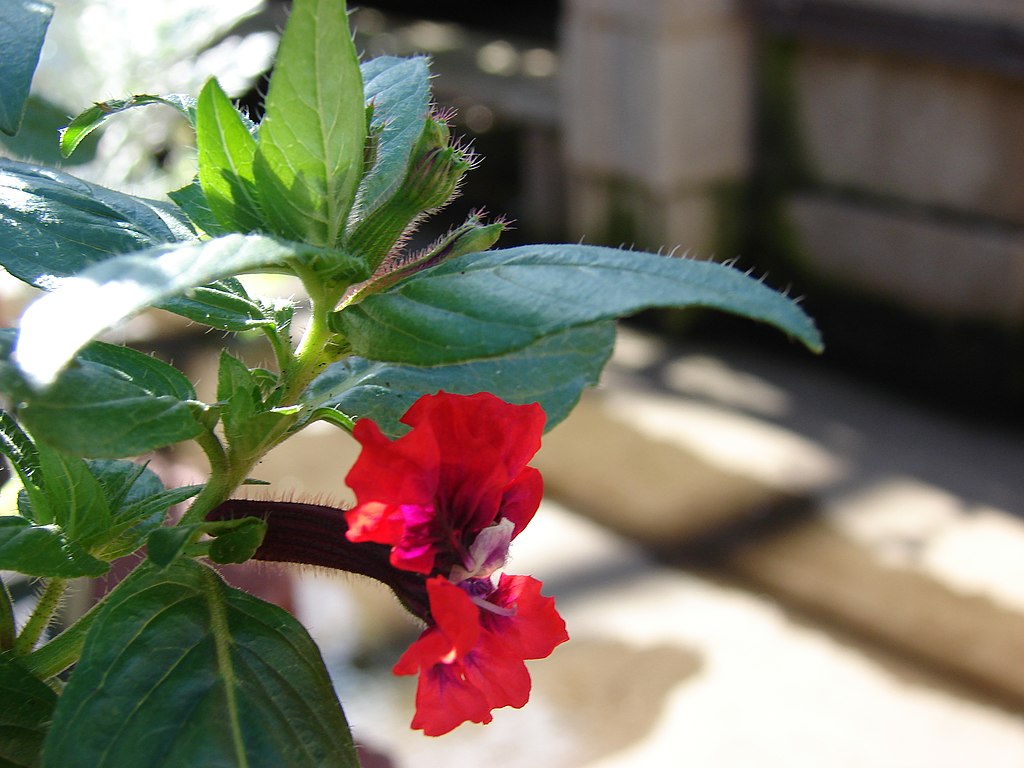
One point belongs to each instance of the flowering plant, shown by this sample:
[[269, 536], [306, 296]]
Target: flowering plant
[[445, 364]]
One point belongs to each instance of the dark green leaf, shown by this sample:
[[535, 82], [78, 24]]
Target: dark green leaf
[[180, 669], [43, 551], [165, 545], [53, 225], [58, 324], [399, 91], [138, 504], [309, 156], [23, 26], [552, 372], [26, 707], [99, 113], [226, 150], [116, 402], [154, 376], [224, 304], [238, 543], [75, 499], [19, 450], [487, 304]]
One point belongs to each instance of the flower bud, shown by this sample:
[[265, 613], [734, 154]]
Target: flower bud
[[432, 176]]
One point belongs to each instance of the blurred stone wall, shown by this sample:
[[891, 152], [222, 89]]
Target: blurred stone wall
[[870, 153]]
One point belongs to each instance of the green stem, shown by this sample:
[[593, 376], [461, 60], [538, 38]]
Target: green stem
[[6, 618], [47, 606], [63, 650]]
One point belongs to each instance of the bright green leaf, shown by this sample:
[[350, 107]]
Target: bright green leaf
[[552, 372], [399, 91], [226, 149], [193, 203], [23, 26], [309, 155], [180, 669], [37, 138], [75, 498], [92, 118], [26, 707], [53, 225], [487, 304]]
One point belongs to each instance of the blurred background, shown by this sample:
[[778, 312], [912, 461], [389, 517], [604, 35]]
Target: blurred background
[[764, 557]]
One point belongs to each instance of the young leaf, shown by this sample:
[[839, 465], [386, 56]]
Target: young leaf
[[92, 118], [193, 203], [226, 149], [309, 155], [180, 669], [26, 707], [487, 304], [23, 26], [43, 551], [247, 419], [399, 91], [58, 324], [552, 371], [53, 225]]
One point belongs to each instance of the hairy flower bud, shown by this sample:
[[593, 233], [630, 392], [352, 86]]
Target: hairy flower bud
[[431, 178]]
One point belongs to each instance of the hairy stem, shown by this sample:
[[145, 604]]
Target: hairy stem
[[62, 651], [41, 617]]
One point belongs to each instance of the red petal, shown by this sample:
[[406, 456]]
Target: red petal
[[522, 498], [535, 629]]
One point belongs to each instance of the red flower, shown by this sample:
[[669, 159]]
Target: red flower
[[449, 497], [461, 469], [470, 660]]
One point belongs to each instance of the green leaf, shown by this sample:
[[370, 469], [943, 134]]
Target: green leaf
[[247, 419], [192, 201], [53, 225], [180, 669], [38, 137], [26, 707], [23, 26], [115, 402], [237, 543], [226, 151], [487, 304], [225, 305], [43, 551], [399, 91], [138, 504], [552, 371], [19, 450], [74, 497], [165, 545], [59, 323], [92, 118], [309, 155]]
